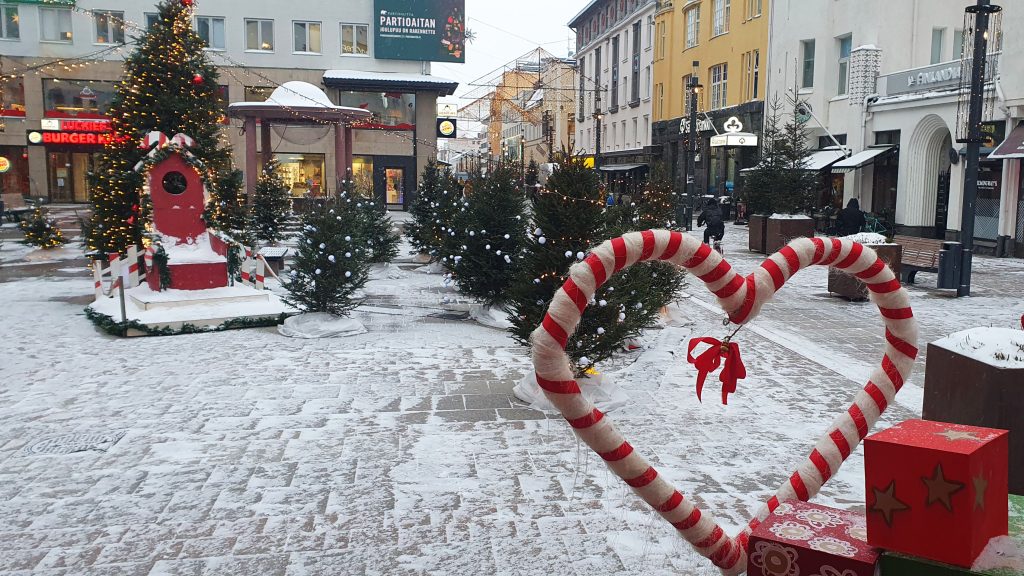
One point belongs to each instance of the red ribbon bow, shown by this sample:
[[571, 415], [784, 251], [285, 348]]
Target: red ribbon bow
[[710, 359]]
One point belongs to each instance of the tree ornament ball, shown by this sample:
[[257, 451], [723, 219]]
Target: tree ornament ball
[[186, 2], [198, 78]]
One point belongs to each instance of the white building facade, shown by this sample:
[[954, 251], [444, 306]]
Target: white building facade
[[881, 80], [67, 56], [615, 55]]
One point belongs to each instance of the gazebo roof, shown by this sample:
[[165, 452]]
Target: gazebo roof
[[297, 103]]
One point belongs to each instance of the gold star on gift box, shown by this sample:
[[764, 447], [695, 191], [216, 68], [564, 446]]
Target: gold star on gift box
[[940, 489]]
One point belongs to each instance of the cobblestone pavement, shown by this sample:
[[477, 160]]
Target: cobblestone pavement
[[402, 451]]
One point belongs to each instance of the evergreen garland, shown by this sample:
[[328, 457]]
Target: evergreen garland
[[116, 328], [41, 231], [271, 205], [159, 91], [486, 252], [331, 262], [160, 259]]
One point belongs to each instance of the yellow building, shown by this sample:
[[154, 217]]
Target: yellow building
[[724, 43]]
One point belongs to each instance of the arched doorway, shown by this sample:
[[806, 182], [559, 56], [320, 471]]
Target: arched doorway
[[924, 206]]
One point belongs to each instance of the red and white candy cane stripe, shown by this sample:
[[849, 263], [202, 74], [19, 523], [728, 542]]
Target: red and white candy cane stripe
[[741, 298]]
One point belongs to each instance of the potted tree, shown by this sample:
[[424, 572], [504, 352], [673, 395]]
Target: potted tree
[[795, 186]]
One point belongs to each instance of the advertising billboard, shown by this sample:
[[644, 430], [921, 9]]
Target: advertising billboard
[[431, 30]]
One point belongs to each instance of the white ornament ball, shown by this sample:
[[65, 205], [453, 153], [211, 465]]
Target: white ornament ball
[[580, 255], [568, 253], [584, 360], [602, 303], [537, 232], [348, 238], [322, 245], [318, 270], [331, 258], [507, 259], [622, 316], [542, 240], [471, 233], [348, 274], [348, 254], [507, 236], [600, 330], [487, 247], [498, 252]]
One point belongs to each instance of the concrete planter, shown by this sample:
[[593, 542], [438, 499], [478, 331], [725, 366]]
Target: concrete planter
[[756, 230], [964, 390], [850, 287], [781, 230]]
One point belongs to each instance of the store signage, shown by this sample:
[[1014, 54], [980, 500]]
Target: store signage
[[5, 164], [733, 124], [64, 138], [734, 139], [446, 127], [928, 78], [75, 125], [703, 125], [429, 30], [447, 110]]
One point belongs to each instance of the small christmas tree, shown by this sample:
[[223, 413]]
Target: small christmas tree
[[763, 179], [532, 173], [376, 231], [491, 232], [434, 211], [799, 185], [569, 218], [227, 210], [330, 264], [271, 205], [41, 231], [169, 85]]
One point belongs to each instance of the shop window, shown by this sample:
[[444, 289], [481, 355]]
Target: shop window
[[55, 24], [14, 170], [355, 39], [391, 110], [303, 174], [77, 98], [10, 28], [307, 37], [211, 31], [394, 182], [12, 97], [109, 26], [362, 176], [259, 35]]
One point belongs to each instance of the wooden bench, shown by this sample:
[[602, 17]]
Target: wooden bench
[[919, 255], [14, 206]]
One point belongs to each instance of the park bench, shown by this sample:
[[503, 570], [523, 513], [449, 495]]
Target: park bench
[[14, 206], [919, 255]]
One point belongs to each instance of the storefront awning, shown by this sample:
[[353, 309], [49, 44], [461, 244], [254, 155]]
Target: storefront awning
[[731, 139], [1012, 147], [861, 159], [621, 167], [818, 160]]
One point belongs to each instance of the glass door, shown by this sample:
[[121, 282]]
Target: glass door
[[394, 181], [61, 185]]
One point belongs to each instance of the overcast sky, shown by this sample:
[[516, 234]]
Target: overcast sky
[[504, 31]]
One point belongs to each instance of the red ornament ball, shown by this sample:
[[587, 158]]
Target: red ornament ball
[[197, 79], [186, 2]]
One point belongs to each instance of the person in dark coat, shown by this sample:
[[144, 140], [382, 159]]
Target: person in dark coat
[[850, 219], [711, 216]]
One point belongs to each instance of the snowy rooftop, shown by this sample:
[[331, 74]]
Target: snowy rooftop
[[362, 79]]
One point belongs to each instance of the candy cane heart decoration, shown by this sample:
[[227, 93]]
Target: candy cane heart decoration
[[741, 298]]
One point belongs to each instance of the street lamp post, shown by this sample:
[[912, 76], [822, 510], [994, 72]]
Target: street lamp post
[[597, 152], [684, 207], [982, 10]]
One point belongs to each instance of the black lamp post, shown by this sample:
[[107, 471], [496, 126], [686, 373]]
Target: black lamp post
[[598, 116], [684, 207], [982, 10]]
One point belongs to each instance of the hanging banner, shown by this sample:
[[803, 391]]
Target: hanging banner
[[430, 30]]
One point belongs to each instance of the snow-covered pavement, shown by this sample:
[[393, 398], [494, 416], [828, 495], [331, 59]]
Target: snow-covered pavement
[[402, 450]]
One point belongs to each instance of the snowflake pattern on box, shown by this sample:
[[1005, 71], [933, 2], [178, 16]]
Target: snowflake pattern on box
[[858, 532], [833, 546], [775, 559], [819, 518], [791, 530]]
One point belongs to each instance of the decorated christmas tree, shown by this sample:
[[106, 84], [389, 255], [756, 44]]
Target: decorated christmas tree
[[271, 205], [170, 86], [41, 230], [376, 231], [569, 217], [330, 264], [491, 233], [532, 173], [227, 210], [433, 211]]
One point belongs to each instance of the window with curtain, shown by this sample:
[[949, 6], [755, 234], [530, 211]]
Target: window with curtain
[[55, 24], [10, 28], [307, 37], [355, 39], [721, 17], [211, 31], [109, 26], [692, 26], [259, 35], [719, 85]]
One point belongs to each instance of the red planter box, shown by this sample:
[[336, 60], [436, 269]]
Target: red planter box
[[801, 538], [936, 490]]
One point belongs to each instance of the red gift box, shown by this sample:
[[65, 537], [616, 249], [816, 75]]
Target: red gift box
[[804, 539], [936, 490]]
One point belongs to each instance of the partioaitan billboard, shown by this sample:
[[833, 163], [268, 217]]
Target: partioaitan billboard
[[433, 30]]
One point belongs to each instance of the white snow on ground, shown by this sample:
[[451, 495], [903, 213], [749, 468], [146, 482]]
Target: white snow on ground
[[778, 216], [490, 316], [867, 238], [403, 450], [1000, 347]]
